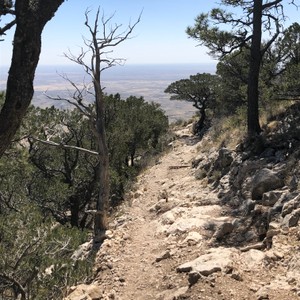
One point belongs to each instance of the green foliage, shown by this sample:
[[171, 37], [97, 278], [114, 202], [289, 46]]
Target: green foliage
[[63, 179], [288, 50], [278, 75], [211, 36], [201, 90], [224, 32], [36, 253], [134, 129], [32, 242], [45, 189], [232, 93]]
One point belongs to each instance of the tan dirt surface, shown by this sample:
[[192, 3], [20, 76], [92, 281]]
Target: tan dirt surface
[[147, 243]]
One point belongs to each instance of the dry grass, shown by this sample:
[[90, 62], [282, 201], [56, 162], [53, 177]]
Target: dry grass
[[231, 131]]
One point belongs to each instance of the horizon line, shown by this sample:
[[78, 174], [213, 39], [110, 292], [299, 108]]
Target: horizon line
[[126, 64]]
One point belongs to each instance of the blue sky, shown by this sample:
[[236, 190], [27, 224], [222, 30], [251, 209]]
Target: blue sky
[[159, 37]]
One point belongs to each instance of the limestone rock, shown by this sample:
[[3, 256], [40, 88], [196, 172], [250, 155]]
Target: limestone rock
[[164, 255], [216, 260], [222, 230], [193, 238], [291, 220], [194, 277], [85, 292], [265, 180], [190, 219], [279, 283], [168, 218], [253, 258], [289, 206], [224, 160], [184, 225], [174, 294], [271, 197], [83, 251]]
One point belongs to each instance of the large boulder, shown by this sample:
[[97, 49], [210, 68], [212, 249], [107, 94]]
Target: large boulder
[[271, 197], [289, 206], [265, 180], [85, 292], [292, 219], [224, 160], [223, 230], [216, 260]]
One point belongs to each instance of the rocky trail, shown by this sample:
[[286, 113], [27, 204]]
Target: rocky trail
[[168, 241]]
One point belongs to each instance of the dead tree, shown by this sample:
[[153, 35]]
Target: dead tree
[[95, 59]]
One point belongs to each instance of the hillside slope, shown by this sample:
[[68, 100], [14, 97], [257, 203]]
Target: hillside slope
[[178, 237]]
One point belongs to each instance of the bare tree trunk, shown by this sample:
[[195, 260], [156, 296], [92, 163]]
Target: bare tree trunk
[[254, 69], [100, 224], [200, 123], [100, 48], [31, 17]]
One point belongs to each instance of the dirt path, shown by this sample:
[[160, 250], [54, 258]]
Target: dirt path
[[133, 271], [163, 237]]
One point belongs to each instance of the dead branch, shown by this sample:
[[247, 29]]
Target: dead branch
[[16, 283], [6, 28], [63, 146], [178, 167], [100, 46]]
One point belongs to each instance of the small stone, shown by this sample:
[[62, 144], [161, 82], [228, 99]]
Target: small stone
[[137, 194], [274, 225], [109, 233], [163, 256], [109, 265], [292, 281], [236, 276], [291, 220], [254, 288], [193, 238], [126, 237], [193, 277], [270, 198], [278, 254], [272, 232], [222, 230], [264, 296]]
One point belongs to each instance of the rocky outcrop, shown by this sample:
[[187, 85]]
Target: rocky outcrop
[[216, 260], [217, 224], [85, 292], [265, 180]]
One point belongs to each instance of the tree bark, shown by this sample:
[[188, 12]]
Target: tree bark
[[254, 70], [100, 222], [200, 123], [31, 17]]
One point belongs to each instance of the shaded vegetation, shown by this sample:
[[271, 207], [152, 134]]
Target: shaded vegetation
[[48, 192]]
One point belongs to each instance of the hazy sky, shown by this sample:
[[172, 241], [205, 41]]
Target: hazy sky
[[159, 37]]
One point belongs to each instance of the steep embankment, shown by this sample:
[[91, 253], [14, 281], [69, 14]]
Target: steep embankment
[[169, 242]]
